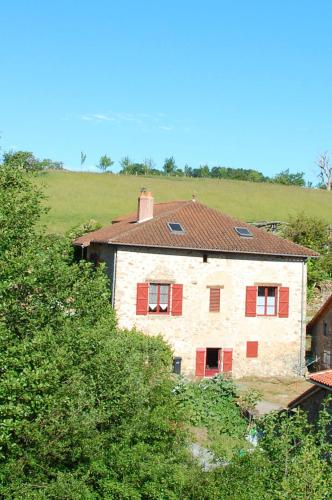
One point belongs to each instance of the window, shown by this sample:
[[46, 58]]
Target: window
[[214, 300], [205, 258], [158, 298], [325, 329], [175, 227], [244, 232], [266, 301]]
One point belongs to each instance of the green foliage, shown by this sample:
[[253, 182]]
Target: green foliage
[[169, 166], [313, 233], [289, 179], [211, 401], [86, 410], [292, 461], [86, 227], [27, 161], [105, 163]]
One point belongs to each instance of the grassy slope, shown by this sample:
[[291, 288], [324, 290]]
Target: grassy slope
[[75, 197]]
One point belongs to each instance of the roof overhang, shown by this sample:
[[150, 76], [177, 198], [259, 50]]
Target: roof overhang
[[211, 250]]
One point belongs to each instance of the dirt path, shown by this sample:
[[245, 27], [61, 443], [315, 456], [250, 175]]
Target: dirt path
[[277, 391]]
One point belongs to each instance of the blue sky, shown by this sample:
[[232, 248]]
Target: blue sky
[[235, 83]]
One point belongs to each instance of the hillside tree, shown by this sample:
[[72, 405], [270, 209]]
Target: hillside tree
[[325, 170], [169, 166], [105, 163]]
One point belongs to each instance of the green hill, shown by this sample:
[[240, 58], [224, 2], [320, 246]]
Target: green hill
[[75, 197]]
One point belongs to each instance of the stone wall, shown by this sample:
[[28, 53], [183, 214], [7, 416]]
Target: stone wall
[[322, 341], [281, 340]]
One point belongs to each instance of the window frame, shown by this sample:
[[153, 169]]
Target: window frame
[[325, 329], [276, 296], [158, 312]]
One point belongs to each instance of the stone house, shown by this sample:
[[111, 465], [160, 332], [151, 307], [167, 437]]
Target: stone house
[[227, 296], [319, 329], [312, 399]]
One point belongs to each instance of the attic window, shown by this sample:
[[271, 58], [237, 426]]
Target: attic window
[[175, 227], [244, 232]]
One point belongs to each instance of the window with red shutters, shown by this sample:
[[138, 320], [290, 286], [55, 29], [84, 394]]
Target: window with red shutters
[[214, 299], [252, 349], [283, 302], [251, 296], [142, 298], [177, 299], [159, 298]]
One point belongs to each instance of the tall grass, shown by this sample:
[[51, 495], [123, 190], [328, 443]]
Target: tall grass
[[75, 197]]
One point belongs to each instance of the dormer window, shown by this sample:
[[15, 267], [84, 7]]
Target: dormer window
[[175, 227]]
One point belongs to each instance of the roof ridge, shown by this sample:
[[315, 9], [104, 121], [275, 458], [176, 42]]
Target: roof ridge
[[138, 225]]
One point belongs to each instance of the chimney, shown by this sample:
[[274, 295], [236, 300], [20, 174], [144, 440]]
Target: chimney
[[145, 206]]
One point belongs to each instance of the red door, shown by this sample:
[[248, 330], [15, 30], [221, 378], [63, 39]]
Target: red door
[[228, 360]]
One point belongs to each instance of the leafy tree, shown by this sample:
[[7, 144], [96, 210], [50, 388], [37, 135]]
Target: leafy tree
[[23, 159], [313, 233], [188, 170], [27, 161], [285, 177], [169, 166], [105, 163], [87, 410], [48, 164], [126, 166]]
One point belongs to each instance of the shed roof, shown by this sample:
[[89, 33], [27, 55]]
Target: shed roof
[[205, 229], [323, 378]]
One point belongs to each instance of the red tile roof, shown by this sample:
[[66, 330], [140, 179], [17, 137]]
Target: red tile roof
[[205, 229], [323, 378]]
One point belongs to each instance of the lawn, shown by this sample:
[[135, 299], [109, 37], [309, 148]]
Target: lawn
[[76, 197]]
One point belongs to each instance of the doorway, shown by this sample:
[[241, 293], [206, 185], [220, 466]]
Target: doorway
[[212, 361]]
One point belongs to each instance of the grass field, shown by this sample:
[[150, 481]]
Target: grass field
[[75, 197]]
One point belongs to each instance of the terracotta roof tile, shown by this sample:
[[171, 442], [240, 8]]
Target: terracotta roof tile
[[323, 377], [204, 229]]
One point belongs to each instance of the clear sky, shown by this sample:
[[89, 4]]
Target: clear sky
[[242, 83]]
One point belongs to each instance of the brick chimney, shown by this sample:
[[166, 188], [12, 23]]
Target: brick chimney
[[145, 206]]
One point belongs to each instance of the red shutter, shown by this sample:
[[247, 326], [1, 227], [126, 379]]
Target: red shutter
[[214, 299], [227, 360], [251, 297], [142, 298], [200, 362], [252, 349], [283, 302], [177, 300]]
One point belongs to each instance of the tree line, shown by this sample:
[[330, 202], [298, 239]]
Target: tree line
[[170, 168], [28, 161]]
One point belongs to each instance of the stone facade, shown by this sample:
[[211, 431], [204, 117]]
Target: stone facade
[[280, 340], [321, 345]]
